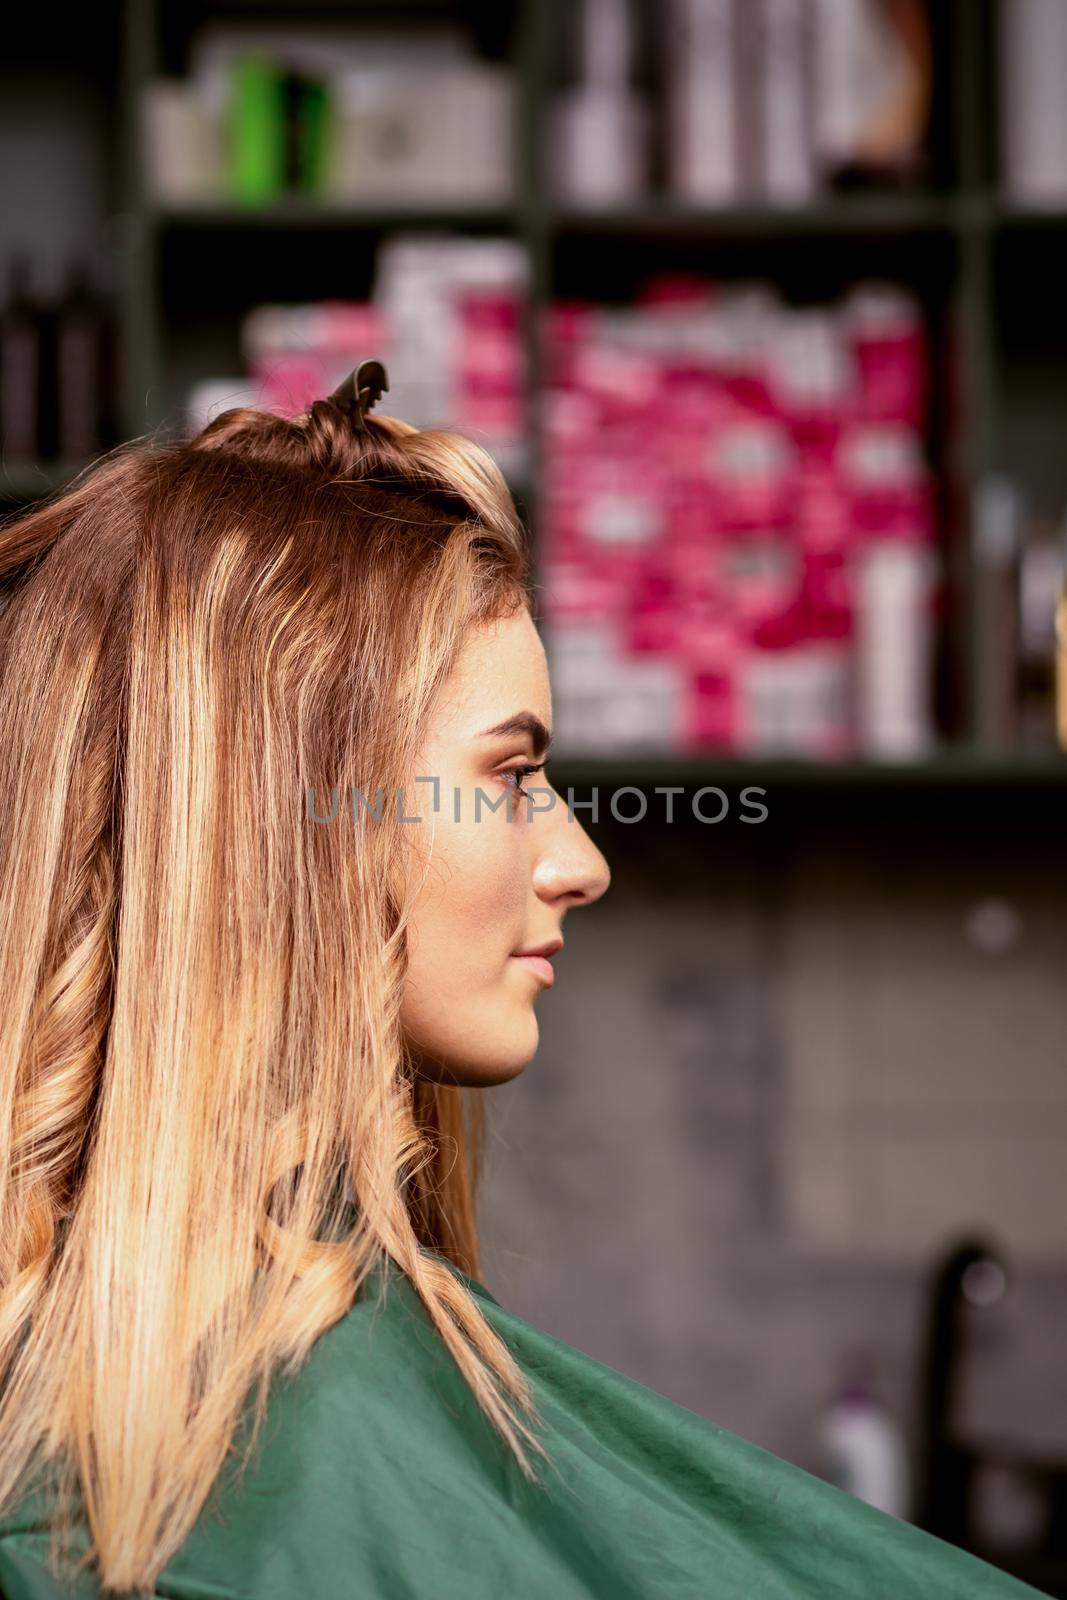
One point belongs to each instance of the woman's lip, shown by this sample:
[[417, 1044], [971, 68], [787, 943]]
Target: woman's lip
[[540, 965]]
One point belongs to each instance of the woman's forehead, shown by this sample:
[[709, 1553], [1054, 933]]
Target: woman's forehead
[[501, 670]]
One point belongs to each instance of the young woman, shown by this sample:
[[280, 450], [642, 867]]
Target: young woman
[[277, 901]]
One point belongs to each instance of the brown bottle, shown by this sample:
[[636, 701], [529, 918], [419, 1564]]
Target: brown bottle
[[20, 367], [80, 343]]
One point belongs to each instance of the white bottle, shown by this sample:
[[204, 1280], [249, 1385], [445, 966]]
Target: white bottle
[[895, 572], [786, 111], [862, 1451], [702, 109], [894, 648], [600, 125], [1033, 108]]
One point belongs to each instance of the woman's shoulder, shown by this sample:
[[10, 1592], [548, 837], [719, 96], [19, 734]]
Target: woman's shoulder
[[378, 1474], [642, 1465], [383, 1462], [361, 1450]]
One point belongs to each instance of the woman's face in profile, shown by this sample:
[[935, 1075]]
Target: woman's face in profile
[[499, 880]]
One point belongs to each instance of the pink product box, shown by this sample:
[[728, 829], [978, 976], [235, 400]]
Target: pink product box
[[488, 336], [494, 421], [488, 381], [350, 327], [708, 644], [685, 290], [494, 352], [743, 504], [568, 321], [792, 702], [576, 594], [750, 390], [816, 432], [895, 511], [567, 541], [496, 311], [482, 404], [698, 398], [892, 375], [288, 381], [709, 713], [824, 512], [651, 626], [605, 510], [829, 586], [761, 573], [623, 383], [297, 354], [565, 327]]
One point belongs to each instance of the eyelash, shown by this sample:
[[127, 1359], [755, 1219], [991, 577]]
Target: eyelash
[[522, 772]]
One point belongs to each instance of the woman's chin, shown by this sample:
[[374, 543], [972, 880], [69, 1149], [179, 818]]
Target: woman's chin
[[504, 1049]]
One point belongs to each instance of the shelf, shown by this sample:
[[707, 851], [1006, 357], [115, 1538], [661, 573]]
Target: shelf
[[298, 212], [1012, 214], [836, 215], [958, 246], [956, 767], [844, 215]]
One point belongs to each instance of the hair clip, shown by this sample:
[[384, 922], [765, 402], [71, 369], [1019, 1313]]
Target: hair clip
[[362, 389]]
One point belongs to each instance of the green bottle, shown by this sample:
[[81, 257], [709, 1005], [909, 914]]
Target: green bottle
[[256, 130], [313, 131]]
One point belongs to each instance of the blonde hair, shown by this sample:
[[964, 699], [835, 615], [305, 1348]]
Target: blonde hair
[[200, 1047]]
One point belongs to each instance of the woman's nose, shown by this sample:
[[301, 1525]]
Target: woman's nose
[[568, 865]]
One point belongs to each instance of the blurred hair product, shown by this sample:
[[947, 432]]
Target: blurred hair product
[[1061, 656], [704, 144], [894, 649], [885, 330], [446, 314], [296, 352], [478, 119], [355, 109], [423, 132], [996, 544], [600, 122], [1041, 579], [257, 129], [307, 143], [84, 367], [735, 492], [895, 571], [1031, 60], [794, 687], [453, 308], [786, 139], [813, 375], [182, 138], [860, 1446], [21, 364], [873, 80], [385, 137], [211, 396]]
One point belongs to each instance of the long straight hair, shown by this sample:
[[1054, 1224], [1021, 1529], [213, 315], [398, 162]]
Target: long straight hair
[[201, 1060]]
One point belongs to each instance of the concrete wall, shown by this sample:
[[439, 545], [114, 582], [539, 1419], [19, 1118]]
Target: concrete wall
[[778, 1073]]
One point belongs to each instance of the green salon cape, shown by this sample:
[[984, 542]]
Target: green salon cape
[[378, 1478]]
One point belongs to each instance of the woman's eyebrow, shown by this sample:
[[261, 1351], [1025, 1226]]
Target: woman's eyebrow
[[522, 722]]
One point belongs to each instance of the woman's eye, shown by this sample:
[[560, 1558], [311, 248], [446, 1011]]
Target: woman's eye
[[518, 773]]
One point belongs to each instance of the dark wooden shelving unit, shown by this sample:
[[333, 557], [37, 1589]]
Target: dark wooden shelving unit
[[299, 213], [24, 481], [957, 243]]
